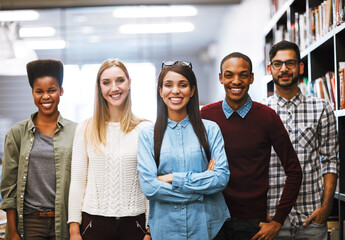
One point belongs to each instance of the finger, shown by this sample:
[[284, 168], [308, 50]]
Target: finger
[[307, 222]]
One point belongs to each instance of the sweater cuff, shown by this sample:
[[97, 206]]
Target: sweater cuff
[[280, 217]]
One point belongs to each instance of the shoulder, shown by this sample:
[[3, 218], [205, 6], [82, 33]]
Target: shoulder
[[146, 129], [209, 110], [210, 126], [68, 124], [143, 124], [19, 128], [262, 108], [212, 106]]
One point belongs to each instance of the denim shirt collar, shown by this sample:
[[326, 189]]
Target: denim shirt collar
[[172, 124], [228, 111]]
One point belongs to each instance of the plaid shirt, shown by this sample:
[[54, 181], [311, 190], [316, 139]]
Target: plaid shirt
[[311, 124]]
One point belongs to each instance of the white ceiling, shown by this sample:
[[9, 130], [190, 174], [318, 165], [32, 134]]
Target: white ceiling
[[92, 35]]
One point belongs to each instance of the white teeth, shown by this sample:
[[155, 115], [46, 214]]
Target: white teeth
[[236, 89], [46, 104], [115, 96], [176, 99]]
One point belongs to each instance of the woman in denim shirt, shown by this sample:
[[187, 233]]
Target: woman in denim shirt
[[182, 163]]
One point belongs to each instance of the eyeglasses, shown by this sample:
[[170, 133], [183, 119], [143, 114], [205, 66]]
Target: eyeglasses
[[290, 64], [170, 63]]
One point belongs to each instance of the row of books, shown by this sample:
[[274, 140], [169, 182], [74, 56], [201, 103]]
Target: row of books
[[325, 87], [322, 19]]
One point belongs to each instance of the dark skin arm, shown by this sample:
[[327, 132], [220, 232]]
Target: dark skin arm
[[11, 215]]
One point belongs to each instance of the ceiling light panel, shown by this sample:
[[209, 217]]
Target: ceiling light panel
[[154, 11], [156, 28], [20, 15], [37, 32]]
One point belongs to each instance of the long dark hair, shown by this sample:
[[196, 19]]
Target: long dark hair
[[192, 110]]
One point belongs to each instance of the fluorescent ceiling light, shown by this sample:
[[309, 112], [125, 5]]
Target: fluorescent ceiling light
[[156, 28], [37, 32], [49, 44], [20, 15], [154, 11]]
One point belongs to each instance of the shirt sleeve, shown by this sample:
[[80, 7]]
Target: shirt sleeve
[[9, 174], [283, 147], [207, 182], [79, 168], [152, 188], [328, 139]]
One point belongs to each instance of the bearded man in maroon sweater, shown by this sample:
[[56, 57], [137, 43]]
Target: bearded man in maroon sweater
[[250, 130]]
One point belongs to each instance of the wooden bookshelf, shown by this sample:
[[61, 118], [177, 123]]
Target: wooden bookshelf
[[322, 51]]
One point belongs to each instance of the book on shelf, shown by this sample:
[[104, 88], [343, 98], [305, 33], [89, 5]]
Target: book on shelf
[[321, 19], [324, 87], [341, 72]]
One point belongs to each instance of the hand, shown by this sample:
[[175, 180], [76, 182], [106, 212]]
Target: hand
[[319, 216], [168, 178], [268, 230], [147, 237], [74, 231], [75, 236], [211, 165]]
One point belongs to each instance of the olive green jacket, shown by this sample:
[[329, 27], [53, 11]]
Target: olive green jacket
[[18, 144]]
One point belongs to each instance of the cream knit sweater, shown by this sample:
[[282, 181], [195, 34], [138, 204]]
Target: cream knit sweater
[[106, 184]]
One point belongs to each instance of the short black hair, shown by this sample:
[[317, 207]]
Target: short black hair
[[285, 45], [45, 67], [237, 55]]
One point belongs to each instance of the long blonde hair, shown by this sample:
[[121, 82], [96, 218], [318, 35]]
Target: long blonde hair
[[96, 126]]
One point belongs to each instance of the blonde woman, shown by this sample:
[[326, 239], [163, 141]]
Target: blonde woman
[[105, 200]]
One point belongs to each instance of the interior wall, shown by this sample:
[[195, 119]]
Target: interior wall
[[242, 31]]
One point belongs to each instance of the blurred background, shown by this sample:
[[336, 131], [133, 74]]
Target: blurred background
[[84, 33]]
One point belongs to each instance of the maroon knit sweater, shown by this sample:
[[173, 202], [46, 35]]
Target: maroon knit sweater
[[248, 145]]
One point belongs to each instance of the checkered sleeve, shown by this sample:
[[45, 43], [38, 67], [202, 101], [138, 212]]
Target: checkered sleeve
[[328, 139]]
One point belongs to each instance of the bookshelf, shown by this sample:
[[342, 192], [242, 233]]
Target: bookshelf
[[318, 27]]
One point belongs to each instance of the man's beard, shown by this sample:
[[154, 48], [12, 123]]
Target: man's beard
[[292, 83]]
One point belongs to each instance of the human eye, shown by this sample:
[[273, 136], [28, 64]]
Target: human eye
[[277, 64], [291, 63], [228, 75], [105, 82], [121, 80], [38, 91], [52, 90], [244, 75]]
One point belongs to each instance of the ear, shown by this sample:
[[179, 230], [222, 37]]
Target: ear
[[193, 91], [301, 68], [268, 68], [251, 78], [61, 91], [220, 76]]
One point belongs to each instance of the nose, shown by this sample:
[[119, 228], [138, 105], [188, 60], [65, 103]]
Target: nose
[[46, 96], [284, 68], [175, 90], [236, 80], [114, 86]]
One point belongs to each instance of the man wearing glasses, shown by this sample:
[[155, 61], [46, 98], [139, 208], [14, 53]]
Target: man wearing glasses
[[311, 125]]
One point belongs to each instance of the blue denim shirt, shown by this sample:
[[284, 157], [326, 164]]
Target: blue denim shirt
[[193, 206]]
